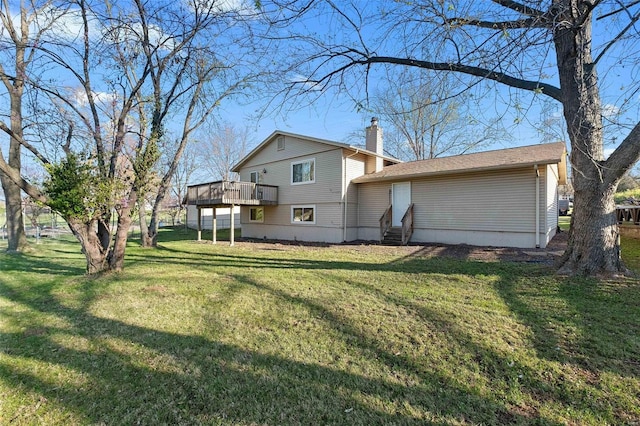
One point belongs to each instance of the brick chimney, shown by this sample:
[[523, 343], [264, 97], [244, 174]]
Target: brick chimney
[[374, 142]]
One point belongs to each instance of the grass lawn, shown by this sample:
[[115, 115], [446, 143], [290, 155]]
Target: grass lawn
[[194, 333]]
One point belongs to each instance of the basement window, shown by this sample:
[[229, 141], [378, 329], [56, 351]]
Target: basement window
[[256, 214], [303, 214]]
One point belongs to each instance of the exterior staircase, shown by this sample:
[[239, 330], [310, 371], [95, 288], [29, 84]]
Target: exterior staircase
[[393, 236]]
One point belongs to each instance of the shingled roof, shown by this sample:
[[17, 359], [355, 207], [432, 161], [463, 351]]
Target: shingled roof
[[548, 153]]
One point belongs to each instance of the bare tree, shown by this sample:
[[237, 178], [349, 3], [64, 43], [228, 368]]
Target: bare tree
[[19, 36], [428, 118], [188, 80], [185, 171], [566, 50], [108, 158], [223, 146]]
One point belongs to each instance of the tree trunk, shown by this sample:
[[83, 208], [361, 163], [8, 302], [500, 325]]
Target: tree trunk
[[594, 244], [145, 238], [152, 230], [92, 247], [116, 256], [16, 236], [594, 247]]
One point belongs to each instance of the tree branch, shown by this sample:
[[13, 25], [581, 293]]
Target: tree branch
[[618, 162], [17, 178], [500, 77], [520, 8], [23, 142], [500, 25]]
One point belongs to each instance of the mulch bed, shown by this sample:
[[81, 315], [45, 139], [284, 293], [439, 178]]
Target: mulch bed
[[547, 255]]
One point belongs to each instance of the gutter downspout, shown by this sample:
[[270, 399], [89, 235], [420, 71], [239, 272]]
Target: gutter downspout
[[344, 180], [537, 206]]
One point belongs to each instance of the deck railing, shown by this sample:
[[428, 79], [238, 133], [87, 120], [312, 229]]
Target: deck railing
[[628, 214], [230, 192], [385, 222], [407, 225]]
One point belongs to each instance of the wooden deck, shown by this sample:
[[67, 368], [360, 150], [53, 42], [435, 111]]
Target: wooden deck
[[226, 193], [628, 214]]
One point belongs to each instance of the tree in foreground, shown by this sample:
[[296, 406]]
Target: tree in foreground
[[19, 35], [103, 79], [566, 50]]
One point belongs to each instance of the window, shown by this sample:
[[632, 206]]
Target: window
[[303, 214], [303, 172], [256, 214], [254, 177]]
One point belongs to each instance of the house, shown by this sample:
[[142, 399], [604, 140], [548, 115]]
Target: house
[[332, 192]]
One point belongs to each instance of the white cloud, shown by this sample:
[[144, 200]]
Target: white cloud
[[80, 98], [610, 111], [244, 7]]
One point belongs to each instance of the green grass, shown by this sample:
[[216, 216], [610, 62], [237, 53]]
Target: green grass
[[624, 195], [194, 333]]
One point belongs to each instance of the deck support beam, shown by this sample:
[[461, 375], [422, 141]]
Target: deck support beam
[[199, 224], [232, 230], [215, 226]]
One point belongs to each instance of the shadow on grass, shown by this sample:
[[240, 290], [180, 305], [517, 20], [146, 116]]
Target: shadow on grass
[[66, 262], [200, 380], [603, 315], [204, 381]]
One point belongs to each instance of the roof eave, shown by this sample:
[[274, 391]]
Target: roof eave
[[373, 178], [236, 168]]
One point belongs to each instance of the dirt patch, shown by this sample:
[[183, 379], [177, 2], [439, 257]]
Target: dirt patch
[[547, 255]]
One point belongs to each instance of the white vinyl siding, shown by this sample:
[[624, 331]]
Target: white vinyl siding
[[295, 148], [328, 186], [494, 201], [498, 201], [354, 168], [551, 183], [373, 200]]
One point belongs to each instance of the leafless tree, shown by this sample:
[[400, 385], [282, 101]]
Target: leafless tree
[[130, 60], [426, 118], [221, 148], [566, 50], [19, 37]]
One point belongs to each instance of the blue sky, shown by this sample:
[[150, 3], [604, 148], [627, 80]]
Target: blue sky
[[335, 117]]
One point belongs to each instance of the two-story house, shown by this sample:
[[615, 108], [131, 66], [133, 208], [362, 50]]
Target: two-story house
[[331, 192]]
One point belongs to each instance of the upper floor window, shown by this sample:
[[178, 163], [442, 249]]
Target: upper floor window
[[303, 171]]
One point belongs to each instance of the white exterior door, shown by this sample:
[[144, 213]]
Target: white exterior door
[[400, 201]]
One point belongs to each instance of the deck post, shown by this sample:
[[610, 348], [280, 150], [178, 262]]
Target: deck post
[[232, 230], [199, 223], [215, 226]]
